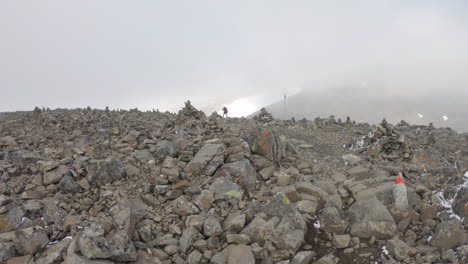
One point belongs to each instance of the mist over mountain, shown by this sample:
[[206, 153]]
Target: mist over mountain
[[365, 104]]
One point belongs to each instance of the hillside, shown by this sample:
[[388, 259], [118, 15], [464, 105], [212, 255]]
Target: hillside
[[100, 187], [366, 105]]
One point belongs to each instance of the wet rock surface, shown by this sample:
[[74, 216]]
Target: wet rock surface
[[95, 186]]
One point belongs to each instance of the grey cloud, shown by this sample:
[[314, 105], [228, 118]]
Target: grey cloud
[[157, 54]]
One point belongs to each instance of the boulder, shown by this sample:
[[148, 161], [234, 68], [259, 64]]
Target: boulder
[[116, 246], [241, 254], [448, 234], [371, 218], [104, 171], [54, 176], [224, 188], [460, 204], [399, 249], [207, 160], [243, 173], [166, 148], [68, 185], [331, 221], [31, 240], [268, 143], [303, 257]]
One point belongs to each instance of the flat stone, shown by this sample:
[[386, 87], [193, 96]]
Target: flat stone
[[83, 183], [359, 173], [32, 240], [241, 254], [238, 239], [341, 241], [448, 234], [303, 257], [55, 175]]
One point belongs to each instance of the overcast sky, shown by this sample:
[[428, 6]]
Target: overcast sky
[[157, 54]]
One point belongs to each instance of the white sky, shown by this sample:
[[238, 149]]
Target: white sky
[[157, 54]]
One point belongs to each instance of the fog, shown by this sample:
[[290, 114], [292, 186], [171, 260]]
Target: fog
[[157, 54]]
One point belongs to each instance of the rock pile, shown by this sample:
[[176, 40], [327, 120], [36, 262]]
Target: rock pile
[[263, 116], [102, 186]]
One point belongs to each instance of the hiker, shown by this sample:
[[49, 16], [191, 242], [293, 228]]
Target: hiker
[[225, 111]]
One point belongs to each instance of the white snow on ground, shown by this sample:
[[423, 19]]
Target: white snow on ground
[[420, 116], [447, 204], [317, 224], [384, 250], [445, 117]]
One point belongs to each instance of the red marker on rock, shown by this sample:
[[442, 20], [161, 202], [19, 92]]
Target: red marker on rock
[[400, 197]]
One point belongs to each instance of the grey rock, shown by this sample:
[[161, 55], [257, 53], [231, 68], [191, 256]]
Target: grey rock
[[31, 240], [341, 241], [254, 229], [171, 250], [371, 218], [266, 173], [204, 161], [204, 200], [189, 235], [224, 188], [303, 257], [143, 156], [24, 157], [194, 257], [222, 256], [7, 141], [238, 239], [307, 206], [234, 222], [350, 159], [338, 177], [241, 254], [55, 175], [165, 148], [68, 185], [279, 205], [165, 240], [460, 203], [212, 227], [117, 246], [282, 179], [104, 171], [399, 249], [53, 214], [54, 253], [331, 221], [7, 251], [328, 259], [243, 173], [74, 258], [359, 173], [268, 143], [448, 234], [144, 257], [308, 188], [4, 199]]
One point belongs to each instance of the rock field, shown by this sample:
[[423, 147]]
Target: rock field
[[98, 186]]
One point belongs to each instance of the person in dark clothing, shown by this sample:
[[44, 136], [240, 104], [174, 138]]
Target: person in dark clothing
[[225, 111]]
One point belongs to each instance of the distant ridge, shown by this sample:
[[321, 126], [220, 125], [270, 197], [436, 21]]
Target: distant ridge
[[365, 105]]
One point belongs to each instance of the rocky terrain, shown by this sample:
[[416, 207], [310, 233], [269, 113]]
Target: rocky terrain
[[100, 186]]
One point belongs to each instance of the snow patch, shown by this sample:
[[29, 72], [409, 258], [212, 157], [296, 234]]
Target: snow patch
[[384, 250], [317, 224], [445, 117], [447, 204]]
